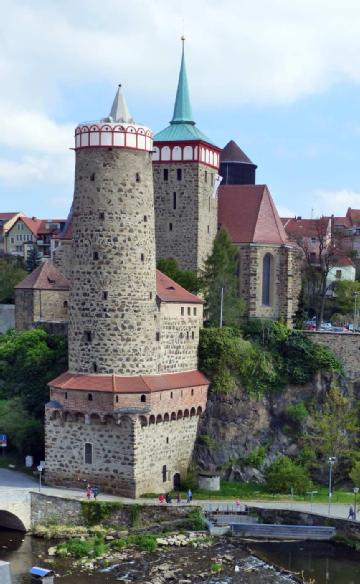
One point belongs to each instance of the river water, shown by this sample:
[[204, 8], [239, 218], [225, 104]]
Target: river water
[[325, 563]]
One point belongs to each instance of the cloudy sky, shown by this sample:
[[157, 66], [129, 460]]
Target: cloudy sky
[[280, 77]]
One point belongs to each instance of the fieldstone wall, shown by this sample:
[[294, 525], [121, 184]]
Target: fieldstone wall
[[346, 347], [285, 281], [62, 256], [68, 512], [35, 306], [187, 232], [113, 288], [179, 326]]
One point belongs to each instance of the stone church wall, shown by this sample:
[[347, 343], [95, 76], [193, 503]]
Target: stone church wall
[[193, 222], [35, 306]]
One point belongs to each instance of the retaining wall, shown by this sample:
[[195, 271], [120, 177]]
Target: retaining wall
[[346, 347]]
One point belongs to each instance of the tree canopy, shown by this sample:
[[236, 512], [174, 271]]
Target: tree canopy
[[33, 259], [186, 278], [12, 271]]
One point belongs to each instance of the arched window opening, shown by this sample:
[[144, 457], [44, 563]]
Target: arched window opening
[[143, 398], [266, 280]]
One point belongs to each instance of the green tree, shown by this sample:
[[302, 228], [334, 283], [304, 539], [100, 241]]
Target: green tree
[[28, 361], [334, 432], [345, 291], [355, 474], [12, 271], [33, 259], [186, 278], [283, 474], [220, 274], [25, 433]]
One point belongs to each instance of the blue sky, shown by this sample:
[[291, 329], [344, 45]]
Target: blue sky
[[280, 78]]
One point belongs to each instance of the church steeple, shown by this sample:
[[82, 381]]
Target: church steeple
[[182, 109]]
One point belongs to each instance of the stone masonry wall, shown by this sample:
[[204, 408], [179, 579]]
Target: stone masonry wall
[[62, 257], [284, 286], [346, 347], [193, 222], [24, 312], [179, 336], [112, 467], [113, 288], [45, 508]]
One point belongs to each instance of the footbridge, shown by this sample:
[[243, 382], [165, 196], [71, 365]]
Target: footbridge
[[15, 508]]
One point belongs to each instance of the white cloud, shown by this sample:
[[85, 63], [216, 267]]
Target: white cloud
[[285, 211], [335, 202]]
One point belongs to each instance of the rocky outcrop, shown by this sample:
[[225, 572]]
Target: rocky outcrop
[[236, 425]]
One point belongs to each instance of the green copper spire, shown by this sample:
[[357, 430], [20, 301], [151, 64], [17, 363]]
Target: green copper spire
[[182, 110]]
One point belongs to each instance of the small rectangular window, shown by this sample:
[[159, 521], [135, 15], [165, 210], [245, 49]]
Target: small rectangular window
[[88, 336], [208, 228], [88, 453], [96, 255], [95, 367], [212, 179], [194, 311], [90, 397], [174, 201], [338, 274], [192, 335], [205, 176], [179, 174], [92, 176], [158, 336], [189, 311], [66, 395], [142, 257], [101, 215], [137, 177], [105, 295], [170, 226], [145, 218], [166, 174], [182, 311]]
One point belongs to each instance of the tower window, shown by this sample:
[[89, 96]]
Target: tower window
[[66, 395], [212, 179], [174, 200], [194, 311], [205, 176], [171, 394], [88, 336], [137, 177], [209, 203], [164, 473], [145, 218], [179, 174], [167, 439], [90, 396], [208, 228], [189, 310], [96, 255], [192, 391], [117, 399], [170, 226], [143, 398], [92, 176], [142, 257], [192, 335], [101, 215], [166, 174], [158, 336], [65, 304], [95, 367], [150, 295], [88, 454], [105, 295], [187, 335], [182, 311]]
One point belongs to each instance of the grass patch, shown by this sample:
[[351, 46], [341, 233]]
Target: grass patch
[[215, 568], [144, 541], [91, 547]]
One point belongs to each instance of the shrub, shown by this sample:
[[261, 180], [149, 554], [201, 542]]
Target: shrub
[[80, 548], [145, 541], [94, 512], [284, 474], [216, 568], [195, 520], [355, 474], [296, 413], [256, 457]]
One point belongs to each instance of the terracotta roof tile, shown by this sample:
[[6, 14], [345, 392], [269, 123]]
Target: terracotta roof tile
[[135, 384], [249, 214], [45, 277], [354, 215], [297, 227], [7, 216], [233, 153], [169, 291]]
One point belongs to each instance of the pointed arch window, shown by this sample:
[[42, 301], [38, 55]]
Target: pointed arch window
[[266, 279]]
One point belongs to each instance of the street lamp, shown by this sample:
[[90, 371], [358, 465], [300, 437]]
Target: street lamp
[[40, 469], [331, 461], [356, 490]]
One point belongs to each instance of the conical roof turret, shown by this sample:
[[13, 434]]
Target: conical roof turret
[[182, 109], [119, 109]]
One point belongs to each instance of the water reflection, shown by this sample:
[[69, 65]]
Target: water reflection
[[324, 562]]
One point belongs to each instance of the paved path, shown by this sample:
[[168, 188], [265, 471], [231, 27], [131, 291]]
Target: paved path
[[12, 480]]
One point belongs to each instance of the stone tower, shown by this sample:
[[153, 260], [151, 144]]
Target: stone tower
[[186, 167], [125, 414], [112, 297]]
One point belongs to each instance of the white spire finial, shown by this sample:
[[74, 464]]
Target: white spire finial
[[119, 110]]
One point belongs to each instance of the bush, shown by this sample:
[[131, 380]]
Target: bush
[[256, 457], [296, 413], [94, 512], [284, 474], [144, 541], [80, 548], [195, 520]]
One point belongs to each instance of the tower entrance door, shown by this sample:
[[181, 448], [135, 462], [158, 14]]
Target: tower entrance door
[[177, 481]]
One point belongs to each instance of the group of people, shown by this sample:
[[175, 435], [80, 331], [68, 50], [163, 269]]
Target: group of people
[[91, 492], [168, 498]]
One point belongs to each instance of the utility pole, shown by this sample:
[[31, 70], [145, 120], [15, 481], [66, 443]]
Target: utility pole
[[331, 460]]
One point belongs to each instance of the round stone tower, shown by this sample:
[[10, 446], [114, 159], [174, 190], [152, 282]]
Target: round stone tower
[[112, 304]]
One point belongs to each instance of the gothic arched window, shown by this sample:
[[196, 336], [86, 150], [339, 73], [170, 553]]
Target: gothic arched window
[[266, 280]]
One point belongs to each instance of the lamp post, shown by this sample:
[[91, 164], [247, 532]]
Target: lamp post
[[356, 490], [40, 469], [331, 461], [311, 493]]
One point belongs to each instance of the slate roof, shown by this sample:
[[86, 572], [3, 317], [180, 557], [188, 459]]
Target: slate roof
[[45, 277], [135, 384], [233, 153], [249, 215]]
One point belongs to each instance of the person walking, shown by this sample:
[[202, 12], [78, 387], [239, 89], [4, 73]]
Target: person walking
[[161, 499], [88, 492], [351, 513], [189, 496], [95, 492]]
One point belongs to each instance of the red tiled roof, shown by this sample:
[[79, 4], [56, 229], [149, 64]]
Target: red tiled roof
[[45, 277], [343, 260], [135, 384], [353, 215], [343, 221], [169, 291], [233, 153], [39, 226], [249, 214], [298, 228], [7, 216]]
